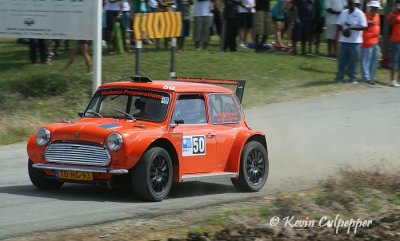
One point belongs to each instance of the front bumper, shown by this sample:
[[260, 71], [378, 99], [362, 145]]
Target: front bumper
[[80, 169]]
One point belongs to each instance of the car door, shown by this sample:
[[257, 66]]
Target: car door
[[198, 143], [225, 116]]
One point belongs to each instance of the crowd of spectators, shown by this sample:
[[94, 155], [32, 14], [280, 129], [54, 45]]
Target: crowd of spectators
[[296, 26]]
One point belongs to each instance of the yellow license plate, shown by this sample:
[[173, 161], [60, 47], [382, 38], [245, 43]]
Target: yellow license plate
[[73, 175]]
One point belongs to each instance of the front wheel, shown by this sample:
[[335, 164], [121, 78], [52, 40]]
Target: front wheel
[[152, 177], [254, 166], [38, 178]]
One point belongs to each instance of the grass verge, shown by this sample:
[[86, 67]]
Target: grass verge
[[31, 95]]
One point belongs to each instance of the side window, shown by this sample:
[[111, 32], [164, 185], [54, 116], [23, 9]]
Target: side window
[[223, 109], [190, 109]]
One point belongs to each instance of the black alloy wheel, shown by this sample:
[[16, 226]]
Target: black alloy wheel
[[254, 167], [152, 176], [39, 179], [159, 174]]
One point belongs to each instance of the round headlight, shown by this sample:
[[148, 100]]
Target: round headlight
[[114, 141], [42, 137]]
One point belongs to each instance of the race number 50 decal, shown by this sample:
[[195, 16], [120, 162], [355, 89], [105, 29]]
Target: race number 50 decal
[[193, 145], [199, 145]]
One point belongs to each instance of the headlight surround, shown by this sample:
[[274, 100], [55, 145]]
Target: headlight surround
[[42, 137], [114, 141]]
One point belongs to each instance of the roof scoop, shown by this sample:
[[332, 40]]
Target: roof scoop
[[141, 79]]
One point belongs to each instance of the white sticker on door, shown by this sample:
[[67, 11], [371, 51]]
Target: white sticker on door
[[193, 145]]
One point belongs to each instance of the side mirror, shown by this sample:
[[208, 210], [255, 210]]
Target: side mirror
[[179, 121], [80, 114]]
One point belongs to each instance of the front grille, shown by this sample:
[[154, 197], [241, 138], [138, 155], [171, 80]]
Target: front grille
[[77, 153]]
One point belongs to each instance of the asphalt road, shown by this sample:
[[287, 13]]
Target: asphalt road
[[308, 140]]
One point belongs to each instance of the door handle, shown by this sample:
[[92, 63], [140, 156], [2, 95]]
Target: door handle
[[210, 135]]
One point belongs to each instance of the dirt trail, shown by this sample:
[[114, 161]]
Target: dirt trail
[[310, 139]]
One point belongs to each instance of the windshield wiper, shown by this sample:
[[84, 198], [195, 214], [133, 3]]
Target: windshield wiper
[[94, 112], [127, 114]]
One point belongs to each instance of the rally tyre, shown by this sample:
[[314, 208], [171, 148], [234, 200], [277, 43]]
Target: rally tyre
[[39, 180], [254, 167], [152, 177]]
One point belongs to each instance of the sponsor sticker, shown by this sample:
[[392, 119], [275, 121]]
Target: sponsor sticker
[[165, 100], [193, 145]]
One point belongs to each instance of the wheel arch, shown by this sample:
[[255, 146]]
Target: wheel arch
[[233, 164], [170, 148], [259, 138]]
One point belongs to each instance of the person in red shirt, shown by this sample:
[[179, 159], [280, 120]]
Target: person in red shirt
[[370, 46], [394, 21]]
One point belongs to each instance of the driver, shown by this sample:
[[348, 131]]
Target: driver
[[140, 105]]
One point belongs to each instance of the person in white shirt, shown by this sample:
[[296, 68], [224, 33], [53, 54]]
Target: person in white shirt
[[333, 9], [351, 23], [246, 11]]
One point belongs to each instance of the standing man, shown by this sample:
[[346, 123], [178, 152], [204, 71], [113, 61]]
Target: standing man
[[318, 24], [333, 9], [202, 22], [370, 46], [394, 23], [303, 13], [350, 25], [246, 11], [231, 17], [36, 45], [183, 6], [262, 23]]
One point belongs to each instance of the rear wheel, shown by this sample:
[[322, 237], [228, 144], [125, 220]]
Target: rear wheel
[[152, 177], [254, 166], [38, 178]]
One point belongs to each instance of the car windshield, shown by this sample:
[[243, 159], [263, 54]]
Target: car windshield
[[129, 103]]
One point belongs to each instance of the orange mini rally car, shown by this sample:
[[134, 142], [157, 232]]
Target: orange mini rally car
[[153, 133]]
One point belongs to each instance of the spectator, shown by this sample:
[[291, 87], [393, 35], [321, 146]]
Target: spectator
[[370, 46], [183, 6], [303, 13], [36, 45], [140, 6], [289, 24], [246, 11], [217, 10], [262, 23], [317, 26], [165, 6], [125, 23], [83, 47], [117, 10], [153, 4], [333, 9], [279, 17], [202, 23], [56, 48], [231, 16], [393, 19], [350, 24]]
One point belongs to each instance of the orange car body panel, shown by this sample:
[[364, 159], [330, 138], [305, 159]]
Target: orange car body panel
[[224, 142]]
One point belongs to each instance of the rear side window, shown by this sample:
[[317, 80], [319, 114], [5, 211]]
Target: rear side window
[[223, 109]]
